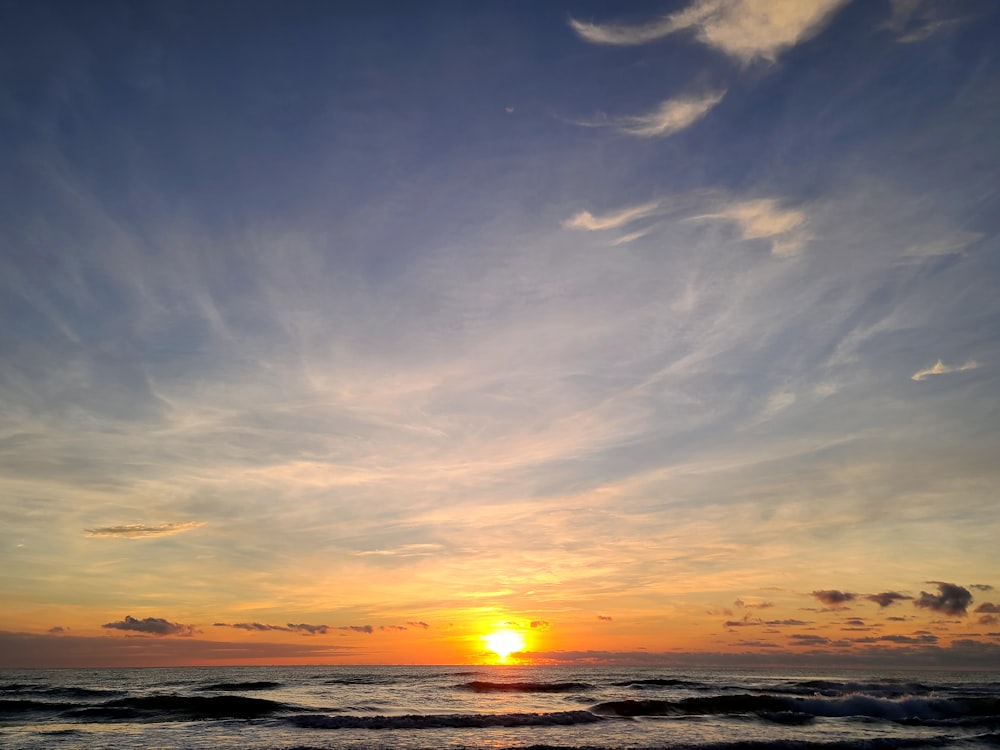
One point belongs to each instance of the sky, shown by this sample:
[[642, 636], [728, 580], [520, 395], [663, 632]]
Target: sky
[[661, 332]]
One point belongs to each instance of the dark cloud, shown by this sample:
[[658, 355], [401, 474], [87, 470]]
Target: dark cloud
[[392, 627], [897, 619], [356, 628], [308, 629], [150, 626], [752, 605], [886, 598], [989, 607], [807, 639], [989, 620], [418, 624], [833, 598], [542, 624], [952, 599], [749, 621], [57, 629], [981, 587], [605, 618], [915, 638], [259, 627], [856, 621], [253, 627]]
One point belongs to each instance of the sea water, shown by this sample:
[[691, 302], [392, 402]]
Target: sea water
[[420, 708]]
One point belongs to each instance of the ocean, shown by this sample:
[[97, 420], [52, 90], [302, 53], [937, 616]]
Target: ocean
[[458, 708]]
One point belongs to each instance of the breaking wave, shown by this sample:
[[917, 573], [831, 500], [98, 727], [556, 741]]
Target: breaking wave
[[483, 686], [444, 721]]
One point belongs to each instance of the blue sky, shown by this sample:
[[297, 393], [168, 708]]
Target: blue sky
[[429, 317]]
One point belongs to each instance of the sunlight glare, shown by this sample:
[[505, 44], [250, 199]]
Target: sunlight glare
[[504, 642]]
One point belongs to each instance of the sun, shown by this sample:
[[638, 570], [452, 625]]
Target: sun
[[503, 643]]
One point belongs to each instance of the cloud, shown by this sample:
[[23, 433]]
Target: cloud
[[540, 624], [586, 220], [916, 20], [605, 618], [418, 624], [989, 620], [834, 598], [989, 607], [672, 116], [253, 627], [367, 629], [743, 29], [303, 627], [807, 639], [954, 244], [749, 621], [257, 627], [766, 219], [915, 638], [141, 531], [886, 598], [952, 599], [940, 368], [632, 236], [57, 629], [752, 605], [405, 550], [981, 587], [151, 626]]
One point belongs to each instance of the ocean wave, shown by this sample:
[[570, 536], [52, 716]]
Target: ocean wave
[[240, 686], [659, 682], [483, 686], [27, 706], [22, 690], [444, 721], [151, 707], [914, 711]]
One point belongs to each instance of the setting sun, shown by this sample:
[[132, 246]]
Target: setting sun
[[504, 642]]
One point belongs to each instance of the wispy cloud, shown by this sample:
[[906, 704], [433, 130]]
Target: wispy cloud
[[672, 116], [766, 219], [405, 550], [141, 531], [587, 220], [940, 368], [743, 29], [915, 20], [953, 244]]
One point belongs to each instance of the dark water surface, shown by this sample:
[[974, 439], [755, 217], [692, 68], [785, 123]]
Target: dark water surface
[[420, 708]]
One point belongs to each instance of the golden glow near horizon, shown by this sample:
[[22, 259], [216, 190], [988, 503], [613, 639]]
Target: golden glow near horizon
[[504, 642]]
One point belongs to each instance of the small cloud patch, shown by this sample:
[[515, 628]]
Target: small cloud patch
[[150, 626]]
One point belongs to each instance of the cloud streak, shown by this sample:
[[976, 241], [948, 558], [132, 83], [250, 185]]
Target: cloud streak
[[587, 221], [671, 116], [940, 368], [143, 531]]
